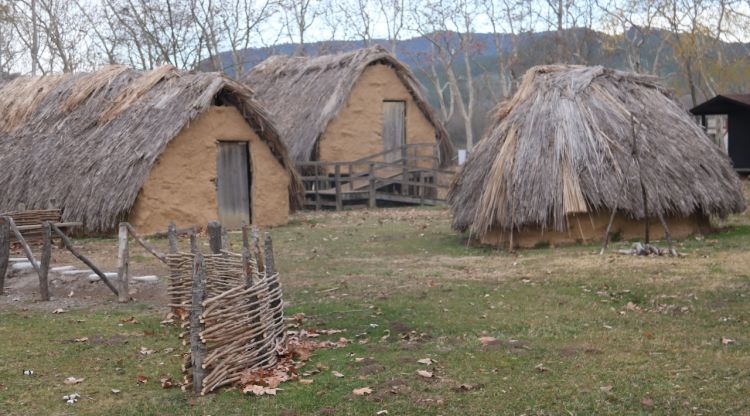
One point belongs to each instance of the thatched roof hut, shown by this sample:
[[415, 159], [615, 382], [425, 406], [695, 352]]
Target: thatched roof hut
[[331, 108], [121, 144], [575, 143]]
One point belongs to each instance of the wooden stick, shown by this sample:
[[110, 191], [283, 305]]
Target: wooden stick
[[256, 249], [197, 348], [214, 236], [69, 245], [24, 244], [39, 226], [123, 254], [371, 202], [4, 251], [605, 240], [172, 237], [672, 251], [270, 263], [193, 242], [150, 248], [45, 260], [337, 178]]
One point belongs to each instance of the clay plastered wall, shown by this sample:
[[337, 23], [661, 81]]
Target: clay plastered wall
[[586, 228], [181, 186], [356, 132]]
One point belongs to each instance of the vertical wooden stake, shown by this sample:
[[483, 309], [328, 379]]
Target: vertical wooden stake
[[197, 347], [270, 263], [45, 260], [371, 175], [245, 235], [256, 249], [247, 271], [337, 178], [4, 251], [214, 236], [605, 240], [172, 236], [123, 253], [224, 239], [668, 236], [193, 240]]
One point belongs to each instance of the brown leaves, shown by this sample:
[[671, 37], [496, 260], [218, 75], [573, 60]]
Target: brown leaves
[[73, 380], [541, 368], [142, 379], [258, 390], [485, 340], [647, 402], [425, 374], [168, 383], [426, 361], [726, 341], [130, 320], [362, 391]]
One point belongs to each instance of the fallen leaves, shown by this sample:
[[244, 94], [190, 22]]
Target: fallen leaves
[[726, 341], [485, 340], [73, 380], [83, 339], [426, 361], [465, 387], [130, 320], [541, 368], [58, 311], [258, 390], [145, 351], [142, 379], [425, 374], [337, 374], [168, 383], [647, 402], [363, 391], [305, 381]]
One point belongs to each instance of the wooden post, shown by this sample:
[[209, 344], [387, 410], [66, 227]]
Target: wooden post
[[404, 173], [268, 254], [317, 188], [193, 241], [672, 251], [371, 176], [4, 251], [224, 239], [247, 271], [24, 244], [644, 195], [69, 245], [197, 348], [214, 236], [45, 260], [256, 248], [123, 254], [337, 178], [605, 240], [172, 237]]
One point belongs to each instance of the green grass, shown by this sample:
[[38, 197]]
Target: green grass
[[381, 275]]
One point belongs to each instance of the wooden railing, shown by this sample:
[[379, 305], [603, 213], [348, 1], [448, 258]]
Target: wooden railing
[[410, 175]]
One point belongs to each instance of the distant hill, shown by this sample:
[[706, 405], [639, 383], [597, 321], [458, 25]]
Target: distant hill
[[595, 48]]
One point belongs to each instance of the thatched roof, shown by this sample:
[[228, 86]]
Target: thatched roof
[[88, 141], [576, 140], [305, 94]]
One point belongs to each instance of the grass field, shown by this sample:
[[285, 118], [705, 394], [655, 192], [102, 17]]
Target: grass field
[[575, 333]]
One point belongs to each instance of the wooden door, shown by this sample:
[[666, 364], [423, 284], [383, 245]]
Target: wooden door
[[394, 128], [233, 183]]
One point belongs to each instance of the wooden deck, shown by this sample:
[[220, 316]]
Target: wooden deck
[[411, 179]]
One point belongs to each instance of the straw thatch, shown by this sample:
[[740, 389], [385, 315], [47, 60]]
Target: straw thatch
[[305, 94], [88, 141], [579, 140]]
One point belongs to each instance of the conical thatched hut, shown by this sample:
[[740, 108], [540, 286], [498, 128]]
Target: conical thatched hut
[[147, 147], [576, 143], [347, 106]]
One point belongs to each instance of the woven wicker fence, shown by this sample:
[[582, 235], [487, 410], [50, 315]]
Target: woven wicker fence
[[235, 320]]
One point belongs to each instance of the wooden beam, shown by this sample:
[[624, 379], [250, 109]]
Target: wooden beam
[[371, 203], [24, 244], [4, 251], [34, 227], [148, 247], [172, 237], [69, 245], [45, 260], [197, 347], [214, 236], [337, 179], [123, 260]]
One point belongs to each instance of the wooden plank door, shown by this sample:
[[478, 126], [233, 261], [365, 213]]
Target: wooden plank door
[[394, 128], [233, 183]]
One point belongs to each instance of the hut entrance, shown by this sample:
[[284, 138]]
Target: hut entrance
[[233, 183], [394, 129]]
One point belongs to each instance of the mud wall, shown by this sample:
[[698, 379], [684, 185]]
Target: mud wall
[[584, 228], [181, 187], [357, 130]]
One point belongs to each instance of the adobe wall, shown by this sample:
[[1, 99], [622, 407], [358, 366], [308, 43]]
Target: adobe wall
[[356, 132], [181, 187], [588, 228]]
